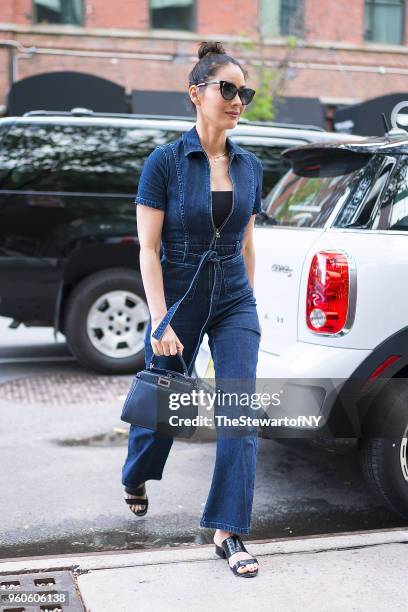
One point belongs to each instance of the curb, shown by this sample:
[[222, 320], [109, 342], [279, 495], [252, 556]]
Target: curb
[[82, 563]]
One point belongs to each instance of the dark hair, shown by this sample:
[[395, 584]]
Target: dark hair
[[211, 55]]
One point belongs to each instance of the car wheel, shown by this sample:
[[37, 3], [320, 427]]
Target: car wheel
[[384, 460], [106, 317]]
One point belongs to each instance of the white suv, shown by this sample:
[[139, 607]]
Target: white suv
[[331, 285]]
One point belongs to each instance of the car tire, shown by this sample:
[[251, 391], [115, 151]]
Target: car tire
[[97, 348], [384, 460]]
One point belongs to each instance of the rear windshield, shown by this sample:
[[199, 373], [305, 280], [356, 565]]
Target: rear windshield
[[307, 194]]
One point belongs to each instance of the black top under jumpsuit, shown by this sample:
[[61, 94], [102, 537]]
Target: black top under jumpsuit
[[221, 206]]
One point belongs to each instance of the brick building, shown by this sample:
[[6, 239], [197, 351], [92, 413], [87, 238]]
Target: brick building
[[346, 52]]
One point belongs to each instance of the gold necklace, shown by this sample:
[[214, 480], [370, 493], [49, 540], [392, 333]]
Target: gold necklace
[[218, 156]]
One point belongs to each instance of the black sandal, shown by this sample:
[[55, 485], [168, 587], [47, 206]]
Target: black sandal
[[230, 546], [131, 501]]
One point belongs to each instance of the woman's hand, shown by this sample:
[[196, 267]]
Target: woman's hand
[[169, 343]]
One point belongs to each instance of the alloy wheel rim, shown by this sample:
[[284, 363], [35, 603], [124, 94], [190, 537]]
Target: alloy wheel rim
[[116, 323], [403, 454]]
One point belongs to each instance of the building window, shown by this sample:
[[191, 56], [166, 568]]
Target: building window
[[281, 17], [58, 11], [384, 21], [172, 14], [290, 17]]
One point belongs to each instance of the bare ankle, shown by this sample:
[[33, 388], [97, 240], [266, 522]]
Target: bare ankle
[[221, 534]]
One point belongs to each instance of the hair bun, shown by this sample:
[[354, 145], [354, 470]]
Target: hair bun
[[210, 47]]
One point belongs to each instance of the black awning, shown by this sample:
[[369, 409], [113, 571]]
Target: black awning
[[365, 118], [62, 91], [151, 102], [304, 111]]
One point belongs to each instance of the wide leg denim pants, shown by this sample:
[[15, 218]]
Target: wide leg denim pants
[[217, 299]]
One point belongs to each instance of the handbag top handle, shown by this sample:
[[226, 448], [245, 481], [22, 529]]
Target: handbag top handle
[[183, 363]]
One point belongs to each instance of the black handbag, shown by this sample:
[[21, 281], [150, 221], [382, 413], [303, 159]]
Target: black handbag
[[148, 402]]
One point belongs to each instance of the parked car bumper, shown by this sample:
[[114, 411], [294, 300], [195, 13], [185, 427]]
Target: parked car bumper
[[311, 378], [308, 379]]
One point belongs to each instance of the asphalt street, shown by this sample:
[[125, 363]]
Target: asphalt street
[[63, 445]]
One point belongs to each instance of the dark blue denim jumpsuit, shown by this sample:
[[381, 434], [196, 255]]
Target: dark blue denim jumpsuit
[[206, 290]]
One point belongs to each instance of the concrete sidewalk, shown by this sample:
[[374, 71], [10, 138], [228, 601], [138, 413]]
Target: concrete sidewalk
[[337, 573]]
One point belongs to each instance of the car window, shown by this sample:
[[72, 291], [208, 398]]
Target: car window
[[4, 128], [392, 214], [398, 218], [307, 195], [274, 165], [360, 209], [77, 158]]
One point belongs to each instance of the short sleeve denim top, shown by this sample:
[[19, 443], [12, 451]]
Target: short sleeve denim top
[[176, 178]]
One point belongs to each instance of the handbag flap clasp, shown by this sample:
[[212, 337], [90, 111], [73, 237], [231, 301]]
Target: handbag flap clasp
[[164, 382]]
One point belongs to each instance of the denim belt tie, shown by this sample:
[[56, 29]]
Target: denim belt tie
[[209, 255]]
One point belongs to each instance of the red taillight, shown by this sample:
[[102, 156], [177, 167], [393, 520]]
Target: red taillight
[[328, 289]]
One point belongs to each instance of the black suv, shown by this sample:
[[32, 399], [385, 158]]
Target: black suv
[[69, 252]]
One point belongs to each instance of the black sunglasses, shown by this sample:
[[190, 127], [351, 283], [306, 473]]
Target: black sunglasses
[[229, 91]]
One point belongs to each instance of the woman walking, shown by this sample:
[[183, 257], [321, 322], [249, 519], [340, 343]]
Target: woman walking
[[199, 196]]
